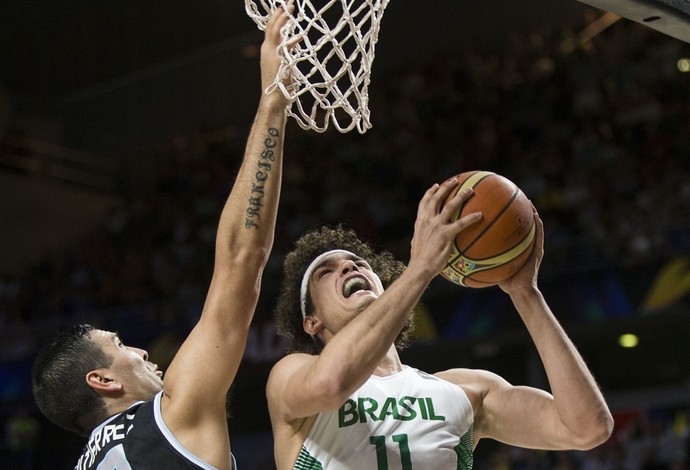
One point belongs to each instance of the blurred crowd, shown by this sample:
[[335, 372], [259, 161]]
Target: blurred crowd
[[597, 134]]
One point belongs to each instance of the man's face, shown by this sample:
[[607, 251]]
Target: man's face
[[341, 286], [140, 378]]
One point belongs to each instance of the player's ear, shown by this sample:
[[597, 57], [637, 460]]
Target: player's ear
[[311, 325], [102, 380]]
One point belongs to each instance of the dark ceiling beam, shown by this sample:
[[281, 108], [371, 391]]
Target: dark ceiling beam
[[671, 17]]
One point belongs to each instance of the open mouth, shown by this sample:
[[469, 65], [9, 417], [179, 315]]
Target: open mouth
[[355, 284]]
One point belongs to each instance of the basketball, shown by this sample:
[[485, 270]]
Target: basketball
[[495, 248]]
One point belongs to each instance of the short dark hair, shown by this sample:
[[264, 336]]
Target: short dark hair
[[59, 380], [288, 314]]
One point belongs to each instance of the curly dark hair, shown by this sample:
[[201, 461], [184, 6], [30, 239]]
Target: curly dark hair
[[288, 315]]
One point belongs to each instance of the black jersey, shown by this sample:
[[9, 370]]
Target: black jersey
[[138, 439]]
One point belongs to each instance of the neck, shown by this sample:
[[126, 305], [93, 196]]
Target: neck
[[117, 406], [390, 364]]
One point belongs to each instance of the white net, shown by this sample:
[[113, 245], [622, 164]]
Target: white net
[[327, 50]]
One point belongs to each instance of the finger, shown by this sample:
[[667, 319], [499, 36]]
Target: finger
[[436, 196], [293, 40], [539, 235], [286, 11], [428, 195], [456, 202], [279, 17], [465, 221], [446, 188], [281, 20]]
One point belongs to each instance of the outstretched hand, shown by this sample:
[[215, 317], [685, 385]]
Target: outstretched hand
[[270, 55], [434, 231]]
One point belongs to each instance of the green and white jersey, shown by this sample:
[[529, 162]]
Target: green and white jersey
[[406, 421]]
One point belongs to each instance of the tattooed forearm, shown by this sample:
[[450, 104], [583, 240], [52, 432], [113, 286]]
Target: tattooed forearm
[[263, 168]]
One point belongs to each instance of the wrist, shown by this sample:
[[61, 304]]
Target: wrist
[[526, 295], [274, 101], [421, 271]]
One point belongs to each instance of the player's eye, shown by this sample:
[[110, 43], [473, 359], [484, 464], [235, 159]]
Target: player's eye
[[322, 272]]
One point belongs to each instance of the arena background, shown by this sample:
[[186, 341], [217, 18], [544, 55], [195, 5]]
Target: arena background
[[121, 124]]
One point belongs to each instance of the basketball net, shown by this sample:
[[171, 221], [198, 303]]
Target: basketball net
[[327, 52]]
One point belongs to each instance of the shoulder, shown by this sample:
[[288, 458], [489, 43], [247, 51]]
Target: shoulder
[[473, 378], [292, 361], [286, 369], [286, 389], [471, 375]]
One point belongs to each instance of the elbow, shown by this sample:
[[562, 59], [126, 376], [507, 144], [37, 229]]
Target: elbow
[[596, 433], [258, 255], [245, 257], [330, 392], [604, 428], [255, 255]]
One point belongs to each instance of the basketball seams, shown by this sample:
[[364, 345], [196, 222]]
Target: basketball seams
[[487, 264], [493, 221], [490, 270], [472, 181], [508, 255]]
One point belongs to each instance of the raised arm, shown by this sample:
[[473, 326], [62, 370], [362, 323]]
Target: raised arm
[[301, 385], [201, 373], [574, 415]]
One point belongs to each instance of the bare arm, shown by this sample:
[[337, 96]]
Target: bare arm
[[574, 415], [199, 377], [300, 385]]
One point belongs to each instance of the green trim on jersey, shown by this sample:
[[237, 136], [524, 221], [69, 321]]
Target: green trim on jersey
[[306, 462], [464, 450]]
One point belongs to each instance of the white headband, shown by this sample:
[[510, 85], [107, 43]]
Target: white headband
[[308, 272]]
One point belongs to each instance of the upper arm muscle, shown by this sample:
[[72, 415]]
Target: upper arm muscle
[[291, 392]]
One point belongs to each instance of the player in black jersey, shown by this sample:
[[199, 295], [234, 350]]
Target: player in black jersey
[[89, 382]]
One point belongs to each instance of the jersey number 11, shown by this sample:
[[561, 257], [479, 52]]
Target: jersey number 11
[[382, 458]]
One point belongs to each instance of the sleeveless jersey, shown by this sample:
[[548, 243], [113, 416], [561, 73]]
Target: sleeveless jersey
[[410, 420], [138, 439]]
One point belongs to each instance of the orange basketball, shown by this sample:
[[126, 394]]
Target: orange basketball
[[495, 248]]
